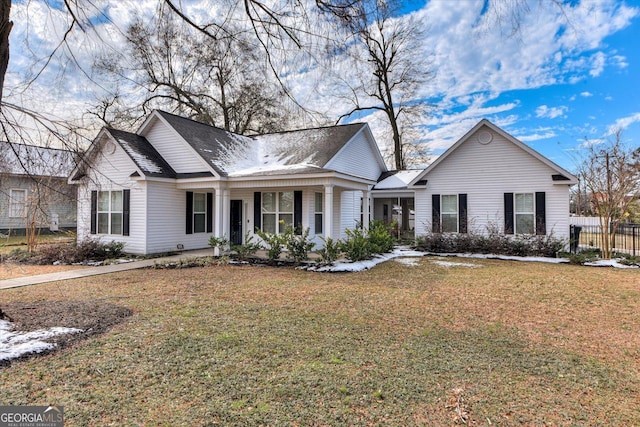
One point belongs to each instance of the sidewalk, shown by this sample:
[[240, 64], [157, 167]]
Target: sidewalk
[[94, 271]]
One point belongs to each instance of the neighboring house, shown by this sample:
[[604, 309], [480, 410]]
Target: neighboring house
[[488, 181], [176, 182], [34, 189]]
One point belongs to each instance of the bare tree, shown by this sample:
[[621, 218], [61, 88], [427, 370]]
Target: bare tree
[[171, 66], [393, 68], [610, 174]]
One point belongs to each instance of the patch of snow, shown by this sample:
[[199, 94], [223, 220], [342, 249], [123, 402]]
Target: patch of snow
[[411, 262], [143, 161], [264, 153], [15, 344], [348, 266], [455, 264], [511, 258], [398, 180], [609, 263]]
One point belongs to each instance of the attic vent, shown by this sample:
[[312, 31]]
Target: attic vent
[[558, 177], [421, 182]]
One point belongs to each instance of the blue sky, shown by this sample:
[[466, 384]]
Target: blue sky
[[570, 73], [568, 76]]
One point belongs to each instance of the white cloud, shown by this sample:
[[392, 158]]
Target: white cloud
[[550, 112], [586, 94], [623, 123], [597, 64]]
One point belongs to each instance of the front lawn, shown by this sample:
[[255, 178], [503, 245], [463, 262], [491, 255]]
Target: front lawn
[[434, 344]]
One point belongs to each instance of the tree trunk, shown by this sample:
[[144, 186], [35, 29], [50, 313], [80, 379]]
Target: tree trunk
[[5, 30]]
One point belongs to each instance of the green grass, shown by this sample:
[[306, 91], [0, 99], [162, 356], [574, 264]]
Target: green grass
[[509, 343]]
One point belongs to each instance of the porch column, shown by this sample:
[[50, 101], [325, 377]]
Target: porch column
[[366, 217], [218, 210], [328, 211], [226, 213]]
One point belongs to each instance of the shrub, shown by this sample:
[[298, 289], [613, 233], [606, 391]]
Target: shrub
[[84, 250], [274, 244], [298, 245], [380, 238], [330, 251], [218, 242], [356, 246], [247, 249], [493, 243]]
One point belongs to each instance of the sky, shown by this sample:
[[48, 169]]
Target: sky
[[569, 74]]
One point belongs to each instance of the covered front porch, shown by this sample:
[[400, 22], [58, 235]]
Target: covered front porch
[[325, 205]]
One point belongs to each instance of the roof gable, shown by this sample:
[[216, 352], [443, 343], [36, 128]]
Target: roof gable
[[570, 178], [143, 154], [291, 152]]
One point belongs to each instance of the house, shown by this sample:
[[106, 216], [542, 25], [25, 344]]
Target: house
[[176, 182], [488, 181], [34, 189]]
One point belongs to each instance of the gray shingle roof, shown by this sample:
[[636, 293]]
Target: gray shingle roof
[[22, 159], [150, 162], [293, 152]]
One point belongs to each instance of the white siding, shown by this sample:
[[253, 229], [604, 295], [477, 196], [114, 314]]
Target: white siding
[[485, 173], [357, 158], [114, 174], [173, 149], [166, 221], [349, 214]]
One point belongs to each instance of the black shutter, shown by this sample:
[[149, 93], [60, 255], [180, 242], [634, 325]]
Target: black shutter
[[189, 217], [94, 211], [435, 213], [541, 222], [209, 213], [462, 213], [297, 211], [508, 213], [126, 202], [257, 210]]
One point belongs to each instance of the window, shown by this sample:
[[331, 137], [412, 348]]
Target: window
[[524, 213], [277, 211], [318, 213], [199, 212], [449, 213], [17, 203], [109, 212]]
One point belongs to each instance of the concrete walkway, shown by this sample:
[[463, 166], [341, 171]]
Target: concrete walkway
[[103, 269]]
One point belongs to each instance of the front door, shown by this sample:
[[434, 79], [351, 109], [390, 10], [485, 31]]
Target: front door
[[236, 222]]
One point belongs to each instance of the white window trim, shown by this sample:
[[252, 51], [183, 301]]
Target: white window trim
[[443, 213], [277, 212], [516, 213], [109, 213], [204, 212], [13, 203], [318, 212]]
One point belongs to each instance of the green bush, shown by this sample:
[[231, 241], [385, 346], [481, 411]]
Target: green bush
[[330, 251], [380, 238], [298, 245], [356, 246], [247, 249], [274, 243], [218, 242]]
